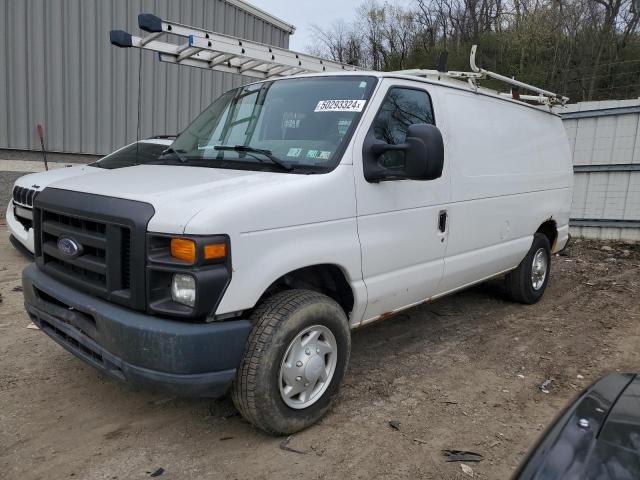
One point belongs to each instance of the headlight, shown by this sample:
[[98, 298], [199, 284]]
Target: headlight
[[186, 275], [183, 289]]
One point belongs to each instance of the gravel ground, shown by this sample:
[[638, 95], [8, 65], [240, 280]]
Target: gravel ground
[[463, 373]]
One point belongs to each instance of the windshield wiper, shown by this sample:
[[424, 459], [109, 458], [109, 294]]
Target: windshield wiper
[[246, 149], [178, 153]]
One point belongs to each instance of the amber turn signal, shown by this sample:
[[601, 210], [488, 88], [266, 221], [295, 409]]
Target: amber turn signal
[[183, 249], [214, 251]]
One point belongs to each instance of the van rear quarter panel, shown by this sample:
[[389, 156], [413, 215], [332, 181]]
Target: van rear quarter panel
[[511, 171]]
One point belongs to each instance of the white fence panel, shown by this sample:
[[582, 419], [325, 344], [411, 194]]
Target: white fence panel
[[605, 142]]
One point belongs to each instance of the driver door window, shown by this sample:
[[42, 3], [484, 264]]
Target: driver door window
[[401, 108]]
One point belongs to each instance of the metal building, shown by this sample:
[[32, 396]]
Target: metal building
[[58, 68], [605, 141]]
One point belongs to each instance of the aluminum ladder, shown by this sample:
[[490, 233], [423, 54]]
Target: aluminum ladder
[[225, 53]]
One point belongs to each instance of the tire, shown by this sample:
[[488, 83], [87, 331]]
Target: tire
[[521, 286], [260, 386]]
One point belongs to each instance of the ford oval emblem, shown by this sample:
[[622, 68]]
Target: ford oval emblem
[[69, 247]]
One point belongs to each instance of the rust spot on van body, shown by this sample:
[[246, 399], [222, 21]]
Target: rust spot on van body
[[384, 316]]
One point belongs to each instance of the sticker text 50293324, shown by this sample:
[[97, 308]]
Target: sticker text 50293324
[[340, 105]]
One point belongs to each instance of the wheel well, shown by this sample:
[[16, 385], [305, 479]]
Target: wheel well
[[327, 279], [550, 230]]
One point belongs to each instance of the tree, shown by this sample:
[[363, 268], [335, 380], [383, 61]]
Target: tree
[[585, 49]]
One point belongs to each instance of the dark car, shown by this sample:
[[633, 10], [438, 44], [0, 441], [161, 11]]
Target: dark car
[[596, 437]]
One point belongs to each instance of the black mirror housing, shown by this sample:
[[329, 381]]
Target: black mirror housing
[[424, 155]]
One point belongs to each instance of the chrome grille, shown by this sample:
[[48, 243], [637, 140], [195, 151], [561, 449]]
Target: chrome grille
[[24, 196]]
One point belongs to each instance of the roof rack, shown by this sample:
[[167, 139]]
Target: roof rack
[[215, 51], [543, 97]]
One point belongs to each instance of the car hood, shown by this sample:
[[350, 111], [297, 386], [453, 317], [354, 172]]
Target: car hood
[[178, 193], [157, 184], [38, 181], [596, 438], [617, 451]]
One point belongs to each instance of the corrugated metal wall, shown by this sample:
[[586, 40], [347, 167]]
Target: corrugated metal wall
[[605, 140], [58, 68]]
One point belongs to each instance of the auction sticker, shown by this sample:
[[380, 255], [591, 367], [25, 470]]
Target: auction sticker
[[340, 105], [294, 152]]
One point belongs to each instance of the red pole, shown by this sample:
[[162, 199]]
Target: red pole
[[40, 132]]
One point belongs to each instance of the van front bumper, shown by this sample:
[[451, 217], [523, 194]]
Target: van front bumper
[[188, 359]]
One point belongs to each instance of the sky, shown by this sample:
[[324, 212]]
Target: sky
[[304, 13]]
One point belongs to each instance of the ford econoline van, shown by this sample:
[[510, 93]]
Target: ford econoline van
[[289, 213]]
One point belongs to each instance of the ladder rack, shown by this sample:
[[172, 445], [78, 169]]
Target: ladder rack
[[543, 97], [215, 51]]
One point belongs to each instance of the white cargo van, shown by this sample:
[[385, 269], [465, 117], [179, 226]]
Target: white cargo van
[[290, 212]]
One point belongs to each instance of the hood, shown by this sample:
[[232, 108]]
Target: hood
[[617, 451], [38, 181], [158, 184], [596, 438], [178, 193]]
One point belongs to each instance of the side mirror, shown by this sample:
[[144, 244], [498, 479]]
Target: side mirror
[[423, 151]]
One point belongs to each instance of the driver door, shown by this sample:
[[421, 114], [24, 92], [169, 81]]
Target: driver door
[[402, 224]]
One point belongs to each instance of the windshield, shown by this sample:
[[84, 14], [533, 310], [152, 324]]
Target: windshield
[[135, 154], [291, 125]]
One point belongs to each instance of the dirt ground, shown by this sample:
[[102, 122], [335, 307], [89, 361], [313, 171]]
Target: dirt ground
[[460, 373]]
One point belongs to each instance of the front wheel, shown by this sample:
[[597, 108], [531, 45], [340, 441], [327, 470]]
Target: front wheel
[[296, 357], [527, 283]]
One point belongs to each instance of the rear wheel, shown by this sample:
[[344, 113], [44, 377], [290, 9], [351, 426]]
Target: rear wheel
[[527, 283], [296, 357]]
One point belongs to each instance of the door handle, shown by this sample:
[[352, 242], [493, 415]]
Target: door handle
[[442, 221]]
